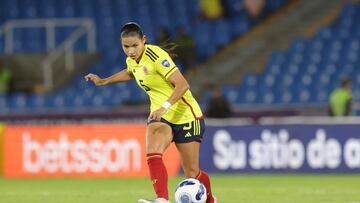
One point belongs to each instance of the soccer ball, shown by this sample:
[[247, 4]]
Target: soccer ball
[[190, 191]]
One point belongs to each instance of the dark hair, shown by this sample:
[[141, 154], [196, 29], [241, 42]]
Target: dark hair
[[345, 82], [169, 47], [133, 29]]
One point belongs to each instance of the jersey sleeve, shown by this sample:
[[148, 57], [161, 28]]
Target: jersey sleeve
[[164, 65]]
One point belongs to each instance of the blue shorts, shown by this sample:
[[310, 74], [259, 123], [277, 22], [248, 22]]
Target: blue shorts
[[188, 132]]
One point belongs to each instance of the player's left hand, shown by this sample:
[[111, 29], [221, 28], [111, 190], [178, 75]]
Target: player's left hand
[[156, 115]]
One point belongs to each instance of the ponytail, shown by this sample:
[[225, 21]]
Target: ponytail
[[169, 47]]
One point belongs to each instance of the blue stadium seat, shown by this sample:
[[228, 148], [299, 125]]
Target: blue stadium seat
[[222, 33], [310, 69], [17, 102], [204, 44], [65, 8], [80, 102], [297, 45], [109, 16], [2, 45], [320, 96], [231, 93], [193, 7], [58, 101], [18, 36], [28, 9], [287, 97], [3, 103], [266, 95], [11, 10], [250, 80], [239, 25], [34, 39], [273, 69], [233, 7], [62, 33], [272, 5], [36, 101]]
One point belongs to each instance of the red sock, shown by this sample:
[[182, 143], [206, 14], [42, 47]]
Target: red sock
[[158, 174], [203, 177]]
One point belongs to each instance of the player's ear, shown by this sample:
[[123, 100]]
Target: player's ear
[[144, 39]]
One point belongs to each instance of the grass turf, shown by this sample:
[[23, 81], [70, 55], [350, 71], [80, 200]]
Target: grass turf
[[228, 189]]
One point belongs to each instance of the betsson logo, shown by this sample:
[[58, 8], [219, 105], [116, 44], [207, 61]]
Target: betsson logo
[[80, 156]]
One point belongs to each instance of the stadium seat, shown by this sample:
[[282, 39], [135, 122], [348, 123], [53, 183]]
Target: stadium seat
[[36, 101], [3, 103], [310, 69], [17, 101], [11, 10], [109, 16], [222, 33], [239, 25], [65, 9], [2, 45]]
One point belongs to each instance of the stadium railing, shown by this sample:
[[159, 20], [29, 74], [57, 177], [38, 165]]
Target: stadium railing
[[84, 27]]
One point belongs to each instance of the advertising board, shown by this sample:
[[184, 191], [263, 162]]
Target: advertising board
[[101, 150], [296, 148]]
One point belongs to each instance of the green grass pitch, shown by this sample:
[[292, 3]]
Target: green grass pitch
[[228, 189]]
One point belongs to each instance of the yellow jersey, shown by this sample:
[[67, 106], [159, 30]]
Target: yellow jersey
[[151, 74]]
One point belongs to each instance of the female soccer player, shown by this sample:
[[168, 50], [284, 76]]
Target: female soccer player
[[175, 114]]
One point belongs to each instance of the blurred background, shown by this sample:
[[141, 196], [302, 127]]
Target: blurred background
[[267, 58], [257, 67]]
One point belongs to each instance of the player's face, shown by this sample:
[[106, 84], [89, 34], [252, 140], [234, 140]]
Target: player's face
[[133, 46]]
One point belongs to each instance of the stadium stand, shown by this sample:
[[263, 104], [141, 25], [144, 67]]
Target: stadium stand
[[309, 70], [109, 15]]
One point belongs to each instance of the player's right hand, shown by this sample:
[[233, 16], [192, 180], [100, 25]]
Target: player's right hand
[[95, 78]]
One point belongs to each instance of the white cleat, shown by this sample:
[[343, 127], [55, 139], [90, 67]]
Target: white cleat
[[158, 200], [215, 200]]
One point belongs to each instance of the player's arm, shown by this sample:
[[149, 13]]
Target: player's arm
[[121, 76], [180, 86]]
